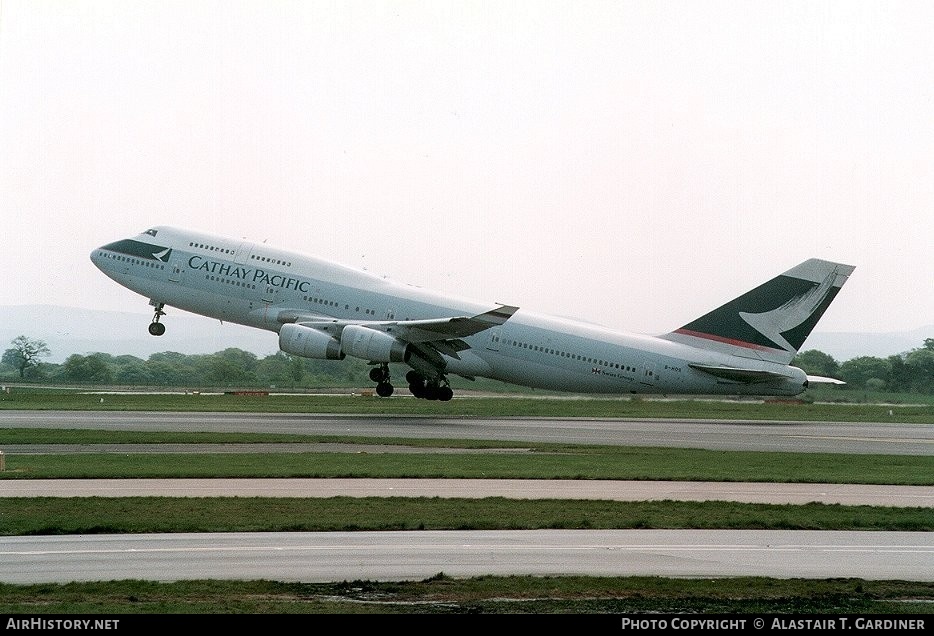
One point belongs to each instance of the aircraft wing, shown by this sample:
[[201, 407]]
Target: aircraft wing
[[440, 329], [739, 374], [442, 333]]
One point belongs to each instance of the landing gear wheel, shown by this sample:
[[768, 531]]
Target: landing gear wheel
[[416, 383], [380, 375], [156, 328], [425, 389]]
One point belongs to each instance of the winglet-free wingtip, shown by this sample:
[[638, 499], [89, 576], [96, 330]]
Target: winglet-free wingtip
[[506, 310], [497, 316]]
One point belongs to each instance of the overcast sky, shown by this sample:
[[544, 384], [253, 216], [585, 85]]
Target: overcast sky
[[631, 163]]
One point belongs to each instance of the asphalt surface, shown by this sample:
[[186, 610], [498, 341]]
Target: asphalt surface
[[417, 555], [883, 437]]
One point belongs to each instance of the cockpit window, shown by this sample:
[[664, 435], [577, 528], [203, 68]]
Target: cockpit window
[[151, 232]]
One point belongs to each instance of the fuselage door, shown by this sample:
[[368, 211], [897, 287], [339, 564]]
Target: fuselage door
[[493, 343], [648, 373], [243, 253], [177, 267]]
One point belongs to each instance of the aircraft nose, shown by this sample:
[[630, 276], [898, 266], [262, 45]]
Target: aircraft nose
[[96, 257]]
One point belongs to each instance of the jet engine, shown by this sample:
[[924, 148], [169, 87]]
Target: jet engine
[[373, 345], [309, 343]]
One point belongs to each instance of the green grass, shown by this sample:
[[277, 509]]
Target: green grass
[[551, 406], [443, 595], [105, 515], [609, 463]]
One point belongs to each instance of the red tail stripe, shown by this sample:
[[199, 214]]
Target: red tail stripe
[[729, 341]]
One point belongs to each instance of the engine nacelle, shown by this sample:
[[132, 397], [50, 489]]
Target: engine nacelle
[[309, 343], [373, 345]]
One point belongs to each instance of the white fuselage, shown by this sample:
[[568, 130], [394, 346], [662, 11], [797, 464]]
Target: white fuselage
[[255, 285]]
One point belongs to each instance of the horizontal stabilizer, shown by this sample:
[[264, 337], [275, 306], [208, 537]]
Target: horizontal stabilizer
[[740, 375], [819, 379]]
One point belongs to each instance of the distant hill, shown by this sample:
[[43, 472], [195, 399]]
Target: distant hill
[[83, 331]]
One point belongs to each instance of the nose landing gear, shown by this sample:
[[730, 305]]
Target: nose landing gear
[[156, 328]]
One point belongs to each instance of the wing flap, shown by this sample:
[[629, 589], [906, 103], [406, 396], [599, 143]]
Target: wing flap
[[450, 347]]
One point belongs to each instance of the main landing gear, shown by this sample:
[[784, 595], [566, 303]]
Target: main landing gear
[[423, 388], [419, 385], [380, 375], [156, 328]]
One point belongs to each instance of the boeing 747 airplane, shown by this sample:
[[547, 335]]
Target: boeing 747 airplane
[[325, 310]]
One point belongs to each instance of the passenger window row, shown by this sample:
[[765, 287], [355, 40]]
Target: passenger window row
[[565, 354]]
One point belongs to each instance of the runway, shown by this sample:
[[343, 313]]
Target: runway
[[886, 438], [416, 555]]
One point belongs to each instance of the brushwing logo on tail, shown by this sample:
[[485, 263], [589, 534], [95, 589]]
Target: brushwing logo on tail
[[772, 324]]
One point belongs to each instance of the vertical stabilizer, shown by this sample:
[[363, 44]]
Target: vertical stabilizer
[[772, 321]]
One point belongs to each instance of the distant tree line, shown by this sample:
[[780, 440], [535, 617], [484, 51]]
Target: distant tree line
[[228, 368], [910, 372]]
